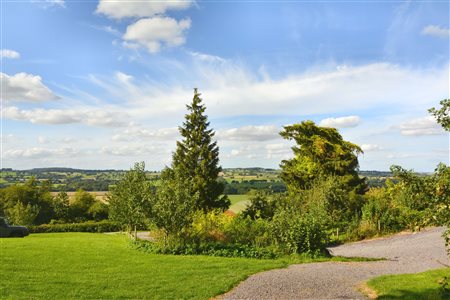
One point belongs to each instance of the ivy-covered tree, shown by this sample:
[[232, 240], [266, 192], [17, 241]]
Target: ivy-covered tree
[[196, 159], [320, 152]]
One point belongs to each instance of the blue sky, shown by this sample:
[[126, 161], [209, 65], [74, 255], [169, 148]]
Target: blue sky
[[103, 84]]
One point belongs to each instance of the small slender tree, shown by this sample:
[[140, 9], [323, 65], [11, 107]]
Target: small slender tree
[[196, 159], [130, 201]]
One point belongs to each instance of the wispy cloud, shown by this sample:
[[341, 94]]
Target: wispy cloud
[[436, 31], [6, 53], [250, 133], [421, 126], [342, 122], [37, 152], [93, 117], [370, 147]]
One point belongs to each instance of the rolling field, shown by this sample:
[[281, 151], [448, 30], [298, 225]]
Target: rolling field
[[99, 195], [238, 202], [101, 266]]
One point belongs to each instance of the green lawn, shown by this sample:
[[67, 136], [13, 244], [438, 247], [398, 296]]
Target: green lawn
[[100, 266], [411, 286], [238, 202]]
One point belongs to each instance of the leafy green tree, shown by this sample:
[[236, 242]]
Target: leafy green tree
[[22, 214], [442, 115], [130, 201], [261, 205], [174, 209], [196, 159], [320, 152], [33, 193], [61, 206], [80, 205]]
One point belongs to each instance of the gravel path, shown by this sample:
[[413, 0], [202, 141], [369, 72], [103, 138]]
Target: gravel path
[[405, 253]]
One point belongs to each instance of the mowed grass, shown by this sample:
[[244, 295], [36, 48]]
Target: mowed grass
[[238, 202], [101, 266], [411, 286]]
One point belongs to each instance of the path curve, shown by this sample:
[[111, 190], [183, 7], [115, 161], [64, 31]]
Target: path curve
[[405, 253]]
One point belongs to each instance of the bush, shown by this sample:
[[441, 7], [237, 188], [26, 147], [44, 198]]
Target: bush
[[294, 232], [103, 226], [245, 231], [206, 248]]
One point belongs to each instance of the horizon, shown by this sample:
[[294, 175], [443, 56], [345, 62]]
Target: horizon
[[96, 84], [155, 171]]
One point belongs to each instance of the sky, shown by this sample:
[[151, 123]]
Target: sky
[[104, 84]]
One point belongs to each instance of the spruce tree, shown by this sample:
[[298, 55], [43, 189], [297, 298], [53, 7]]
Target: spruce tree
[[196, 159]]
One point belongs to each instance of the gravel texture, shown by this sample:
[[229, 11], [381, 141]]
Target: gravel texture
[[404, 253]]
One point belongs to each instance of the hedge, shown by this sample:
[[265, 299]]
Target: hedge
[[103, 226]]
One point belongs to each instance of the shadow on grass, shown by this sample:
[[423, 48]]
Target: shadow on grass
[[426, 294]]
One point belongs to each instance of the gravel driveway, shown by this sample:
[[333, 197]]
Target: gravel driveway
[[405, 253]]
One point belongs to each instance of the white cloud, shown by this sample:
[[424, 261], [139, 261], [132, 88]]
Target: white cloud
[[37, 152], [25, 87], [123, 78], [250, 133], [133, 132], [230, 89], [93, 117], [153, 33], [6, 53], [139, 9], [206, 57], [56, 2], [43, 140], [50, 3], [421, 126], [342, 122], [279, 151], [7, 138], [370, 147], [132, 150], [436, 31]]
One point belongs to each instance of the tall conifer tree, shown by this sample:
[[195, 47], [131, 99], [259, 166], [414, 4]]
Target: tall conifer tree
[[196, 159]]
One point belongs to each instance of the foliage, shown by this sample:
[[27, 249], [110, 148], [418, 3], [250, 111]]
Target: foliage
[[80, 205], [320, 152], [22, 215], [261, 205], [90, 226], [130, 200], [413, 202], [294, 232], [61, 206], [21, 202], [175, 206], [196, 159], [442, 115], [208, 248]]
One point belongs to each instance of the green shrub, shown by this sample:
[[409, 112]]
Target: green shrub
[[262, 205], [245, 231], [294, 232], [103, 226], [206, 248]]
